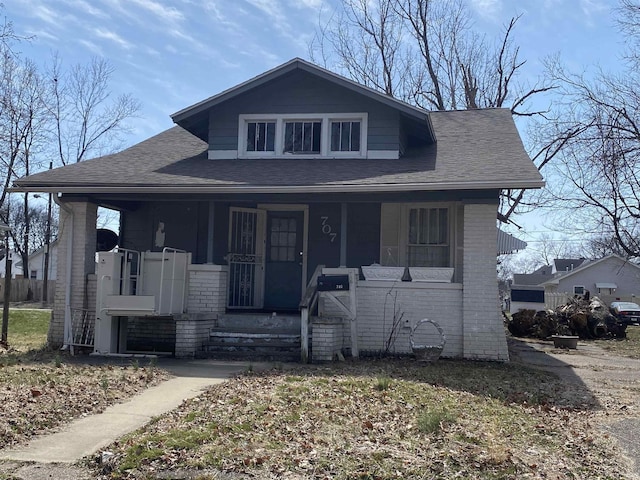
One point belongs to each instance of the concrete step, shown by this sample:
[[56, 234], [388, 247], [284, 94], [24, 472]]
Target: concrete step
[[253, 321]]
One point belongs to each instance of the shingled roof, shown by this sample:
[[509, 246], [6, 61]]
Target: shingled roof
[[474, 149]]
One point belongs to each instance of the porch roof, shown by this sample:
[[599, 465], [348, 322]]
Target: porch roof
[[474, 149]]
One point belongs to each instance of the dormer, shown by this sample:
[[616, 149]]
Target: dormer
[[301, 111]]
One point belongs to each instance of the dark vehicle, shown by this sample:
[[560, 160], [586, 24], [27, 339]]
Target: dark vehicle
[[626, 312]]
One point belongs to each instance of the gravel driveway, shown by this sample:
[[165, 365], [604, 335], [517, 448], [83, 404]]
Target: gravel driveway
[[608, 383]]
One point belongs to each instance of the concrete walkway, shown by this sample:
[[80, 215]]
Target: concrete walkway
[[87, 435]]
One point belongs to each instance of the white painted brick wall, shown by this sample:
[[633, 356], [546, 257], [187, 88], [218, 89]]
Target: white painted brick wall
[[83, 263], [207, 289], [483, 331], [414, 301], [191, 334], [327, 340]]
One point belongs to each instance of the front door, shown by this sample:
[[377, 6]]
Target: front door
[[283, 266]]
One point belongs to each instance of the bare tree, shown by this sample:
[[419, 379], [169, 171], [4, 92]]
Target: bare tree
[[426, 52], [599, 167], [88, 119]]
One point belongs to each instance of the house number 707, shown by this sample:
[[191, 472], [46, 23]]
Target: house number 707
[[326, 229]]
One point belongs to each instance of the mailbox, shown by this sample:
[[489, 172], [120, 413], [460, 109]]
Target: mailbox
[[328, 283]]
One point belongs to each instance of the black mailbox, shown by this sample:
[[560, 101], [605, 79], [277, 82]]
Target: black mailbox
[[327, 283]]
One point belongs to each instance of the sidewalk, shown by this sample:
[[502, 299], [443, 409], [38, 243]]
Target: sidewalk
[[89, 434]]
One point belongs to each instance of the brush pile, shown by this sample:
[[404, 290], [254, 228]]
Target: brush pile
[[586, 318]]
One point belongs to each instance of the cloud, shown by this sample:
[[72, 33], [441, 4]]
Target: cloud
[[312, 4], [92, 47], [167, 14], [489, 9], [113, 37], [593, 8], [87, 8]]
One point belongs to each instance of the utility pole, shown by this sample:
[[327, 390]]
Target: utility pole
[[47, 243], [7, 287]]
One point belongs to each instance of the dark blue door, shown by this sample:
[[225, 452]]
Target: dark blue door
[[283, 266]]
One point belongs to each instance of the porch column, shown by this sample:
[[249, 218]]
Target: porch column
[[76, 237], [484, 337]]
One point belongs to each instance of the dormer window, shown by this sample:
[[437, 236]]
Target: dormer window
[[303, 135], [261, 136], [345, 136]]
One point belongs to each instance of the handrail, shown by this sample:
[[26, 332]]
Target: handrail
[[307, 304], [312, 286]]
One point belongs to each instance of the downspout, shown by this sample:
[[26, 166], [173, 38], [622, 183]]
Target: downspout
[[67, 334]]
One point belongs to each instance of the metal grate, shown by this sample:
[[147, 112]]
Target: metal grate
[[82, 327]]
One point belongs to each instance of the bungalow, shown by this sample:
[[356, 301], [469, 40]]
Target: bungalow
[[262, 189]]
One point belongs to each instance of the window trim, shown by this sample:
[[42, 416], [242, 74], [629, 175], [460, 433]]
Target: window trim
[[325, 134]]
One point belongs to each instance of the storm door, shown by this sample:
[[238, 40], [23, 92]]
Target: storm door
[[283, 266], [246, 258]]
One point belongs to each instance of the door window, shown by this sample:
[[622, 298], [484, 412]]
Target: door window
[[283, 240]]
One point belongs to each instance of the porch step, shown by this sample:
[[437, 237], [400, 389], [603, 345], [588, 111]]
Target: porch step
[[255, 337]]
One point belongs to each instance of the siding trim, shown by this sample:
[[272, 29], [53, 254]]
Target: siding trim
[[383, 154], [222, 154]]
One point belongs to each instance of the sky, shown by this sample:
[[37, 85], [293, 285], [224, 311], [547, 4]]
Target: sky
[[172, 54]]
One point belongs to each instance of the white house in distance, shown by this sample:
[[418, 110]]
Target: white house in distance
[[37, 260], [610, 278]]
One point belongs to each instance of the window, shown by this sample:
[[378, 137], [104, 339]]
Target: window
[[33, 274], [261, 136], [578, 290], [428, 242], [345, 136], [283, 240], [303, 135]]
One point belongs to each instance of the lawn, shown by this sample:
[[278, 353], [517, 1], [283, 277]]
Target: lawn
[[392, 419], [28, 328], [41, 389], [628, 347]]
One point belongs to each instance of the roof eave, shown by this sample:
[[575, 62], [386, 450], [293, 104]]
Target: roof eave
[[405, 187]]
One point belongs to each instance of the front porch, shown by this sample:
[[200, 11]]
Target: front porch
[[462, 297]]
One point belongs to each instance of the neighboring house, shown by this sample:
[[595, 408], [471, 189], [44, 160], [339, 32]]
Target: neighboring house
[[16, 265], [611, 276], [37, 260], [564, 265], [265, 183]]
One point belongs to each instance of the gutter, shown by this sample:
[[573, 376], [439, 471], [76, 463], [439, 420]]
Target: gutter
[[405, 187], [67, 330]]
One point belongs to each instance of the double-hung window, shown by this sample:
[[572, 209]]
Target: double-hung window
[[428, 241], [303, 135]]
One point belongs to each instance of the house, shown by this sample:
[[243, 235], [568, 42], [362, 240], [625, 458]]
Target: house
[[610, 277], [37, 261], [295, 173], [16, 265]]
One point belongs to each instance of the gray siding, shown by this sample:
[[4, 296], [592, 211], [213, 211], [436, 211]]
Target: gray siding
[[610, 270], [181, 227], [300, 92]]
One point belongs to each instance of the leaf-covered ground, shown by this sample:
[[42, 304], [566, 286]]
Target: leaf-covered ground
[[393, 419], [42, 390]]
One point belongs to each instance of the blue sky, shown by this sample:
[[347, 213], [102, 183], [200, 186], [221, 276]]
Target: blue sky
[[171, 54]]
